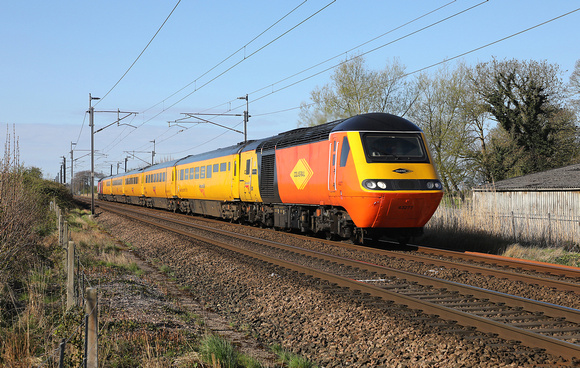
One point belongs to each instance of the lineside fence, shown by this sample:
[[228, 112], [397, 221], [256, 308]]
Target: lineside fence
[[79, 293], [550, 227]]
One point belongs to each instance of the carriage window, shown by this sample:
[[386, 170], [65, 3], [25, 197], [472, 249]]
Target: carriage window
[[202, 174], [223, 166], [186, 176], [197, 172], [208, 172], [216, 168]]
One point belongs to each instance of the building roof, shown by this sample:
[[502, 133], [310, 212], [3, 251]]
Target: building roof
[[565, 178]]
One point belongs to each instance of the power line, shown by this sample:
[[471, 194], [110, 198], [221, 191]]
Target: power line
[[429, 66], [238, 63], [294, 27], [407, 74], [142, 52], [229, 57], [130, 67], [346, 52]]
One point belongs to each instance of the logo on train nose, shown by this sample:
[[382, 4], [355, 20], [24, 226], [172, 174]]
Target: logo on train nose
[[301, 174], [402, 171]]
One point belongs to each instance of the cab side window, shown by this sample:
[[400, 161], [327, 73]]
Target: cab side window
[[248, 166], [344, 152]]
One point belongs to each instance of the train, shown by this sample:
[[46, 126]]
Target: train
[[362, 178]]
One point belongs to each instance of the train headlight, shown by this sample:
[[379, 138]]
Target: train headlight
[[370, 184], [382, 185], [434, 185]]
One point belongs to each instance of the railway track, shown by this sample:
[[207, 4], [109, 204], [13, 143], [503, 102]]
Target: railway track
[[535, 324]]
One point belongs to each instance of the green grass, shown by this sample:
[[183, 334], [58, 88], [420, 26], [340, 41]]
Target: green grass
[[217, 351], [292, 360]]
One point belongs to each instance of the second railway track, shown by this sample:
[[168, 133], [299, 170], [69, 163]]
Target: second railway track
[[535, 324]]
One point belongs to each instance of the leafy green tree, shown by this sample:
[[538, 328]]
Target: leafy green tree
[[355, 89], [526, 98]]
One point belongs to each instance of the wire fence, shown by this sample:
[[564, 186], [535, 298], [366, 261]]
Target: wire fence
[[532, 220], [80, 293]]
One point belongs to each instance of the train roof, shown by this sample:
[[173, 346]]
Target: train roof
[[220, 152], [376, 122]]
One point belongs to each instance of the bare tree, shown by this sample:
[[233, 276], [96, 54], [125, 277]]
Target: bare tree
[[18, 212], [439, 113], [574, 87], [356, 90]]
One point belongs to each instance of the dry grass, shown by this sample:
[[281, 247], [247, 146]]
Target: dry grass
[[461, 227], [548, 255]]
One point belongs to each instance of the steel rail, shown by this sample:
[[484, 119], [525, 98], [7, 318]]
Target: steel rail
[[548, 268], [493, 260], [508, 332]]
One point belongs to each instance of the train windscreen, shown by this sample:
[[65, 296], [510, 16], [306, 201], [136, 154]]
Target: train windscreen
[[394, 147]]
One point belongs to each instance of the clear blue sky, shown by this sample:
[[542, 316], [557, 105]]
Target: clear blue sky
[[53, 54]]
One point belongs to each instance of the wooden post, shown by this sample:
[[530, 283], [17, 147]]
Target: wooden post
[[59, 230], [62, 347], [65, 234], [70, 276], [514, 226], [92, 329], [549, 243]]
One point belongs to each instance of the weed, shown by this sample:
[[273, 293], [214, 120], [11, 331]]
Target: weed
[[218, 352], [290, 359], [249, 362]]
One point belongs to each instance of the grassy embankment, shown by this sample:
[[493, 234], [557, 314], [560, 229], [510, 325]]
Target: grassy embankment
[[33, 315]]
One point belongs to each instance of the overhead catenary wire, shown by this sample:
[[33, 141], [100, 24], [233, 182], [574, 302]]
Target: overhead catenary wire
[[407, 74], [228, 57], [130, 67], [141, 54], [366, 52], [360, 45], [238, 63], [431, 65], [415, 71], [344, 52], [327, 69]]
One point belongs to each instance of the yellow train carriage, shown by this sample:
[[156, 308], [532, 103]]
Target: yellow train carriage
[[204, 182], [158, 185], [117, 186], [212, 176], [249, 185], [106, 188], [132, 188]]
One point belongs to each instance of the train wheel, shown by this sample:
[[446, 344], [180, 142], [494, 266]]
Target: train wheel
[[357, 236], [329, 236]]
